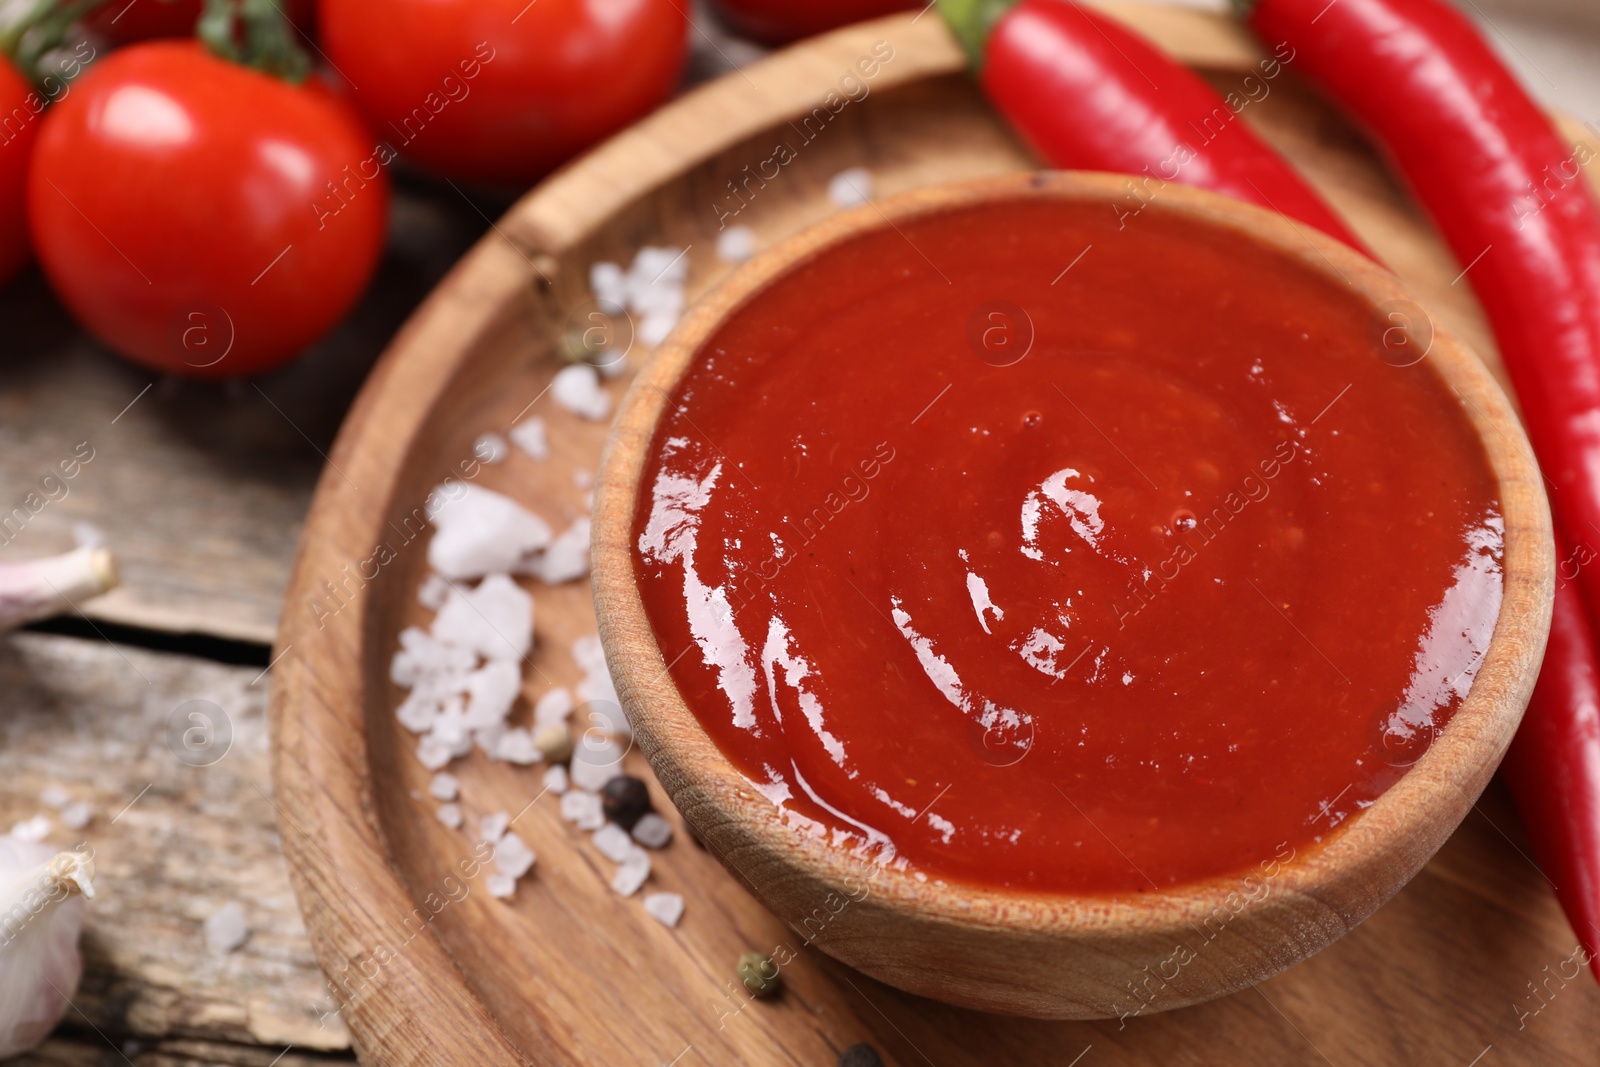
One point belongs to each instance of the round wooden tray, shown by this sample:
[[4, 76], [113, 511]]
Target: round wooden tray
[[567, 972]]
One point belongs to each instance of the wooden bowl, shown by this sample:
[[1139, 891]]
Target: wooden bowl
[[1054, 955]]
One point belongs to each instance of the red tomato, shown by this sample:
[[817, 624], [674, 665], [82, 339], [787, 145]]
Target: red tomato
[[779, 21], [20, 109], [503, 90], [201, 217]]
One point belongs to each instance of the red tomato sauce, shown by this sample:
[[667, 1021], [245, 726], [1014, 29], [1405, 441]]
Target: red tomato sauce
[[1176, 591]]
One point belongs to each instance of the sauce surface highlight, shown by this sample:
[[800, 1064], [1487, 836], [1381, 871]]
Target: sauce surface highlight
[[1090, 579]]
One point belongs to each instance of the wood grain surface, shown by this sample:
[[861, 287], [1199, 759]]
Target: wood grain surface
[[174, 842], [568, 973]]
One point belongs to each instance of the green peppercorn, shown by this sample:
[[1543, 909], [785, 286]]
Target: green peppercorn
[[758, 973], [862, 1055], [625, 800]]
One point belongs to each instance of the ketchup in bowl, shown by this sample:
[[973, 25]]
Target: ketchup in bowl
[[1025, 545]]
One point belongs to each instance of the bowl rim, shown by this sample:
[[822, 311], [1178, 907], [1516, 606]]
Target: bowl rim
[[1380, 847]]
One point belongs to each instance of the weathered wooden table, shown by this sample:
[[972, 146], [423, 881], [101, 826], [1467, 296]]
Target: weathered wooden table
[[201, 491]]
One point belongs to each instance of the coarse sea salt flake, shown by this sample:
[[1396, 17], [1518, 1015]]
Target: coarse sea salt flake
[[491, 690], [516, 746], [654, 327], [76, 816], [597, 688], [578, 806], [512, 856], [225, 929], [665, 296], [432, 591], [451, 688], [553, 706], [495, 620], [555, 779], [418, 712], [577, 388], [499, 886], [444, 787], [613, 842], [567, 558], [404, 669], [736, 244], [652, 831], [490, 448], [666, 908], [659, 301], [450, 728], [632, 872], [434, 753], [653, 264], [594, 763], [530, 436], [479, 531], [609, 284], [589, 654], [651, 290], [433, 658], [451, 692], [489, 736], [450, 815], [53, 796], [850, 188], [492, 827]]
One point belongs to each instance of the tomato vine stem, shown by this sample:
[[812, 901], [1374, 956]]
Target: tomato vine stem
[[255, 34], [40, 30]]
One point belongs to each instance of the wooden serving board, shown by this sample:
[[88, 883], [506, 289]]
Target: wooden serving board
[[567, 972]]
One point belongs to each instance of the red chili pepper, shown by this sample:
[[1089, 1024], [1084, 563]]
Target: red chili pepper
[[1089, 94], [1085, 93], [1509, 196], [1554, 764]]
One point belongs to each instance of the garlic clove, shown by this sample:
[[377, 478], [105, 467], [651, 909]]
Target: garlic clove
[[72, 871], [41, 914], [38, 588]]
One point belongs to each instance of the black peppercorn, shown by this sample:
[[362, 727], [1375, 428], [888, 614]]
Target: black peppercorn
[[625, 800], [862, 1055]]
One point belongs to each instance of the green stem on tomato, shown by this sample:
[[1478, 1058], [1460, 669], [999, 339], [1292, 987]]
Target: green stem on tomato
[[11, 36], [255, 34], [40, 30], [971, 21]]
